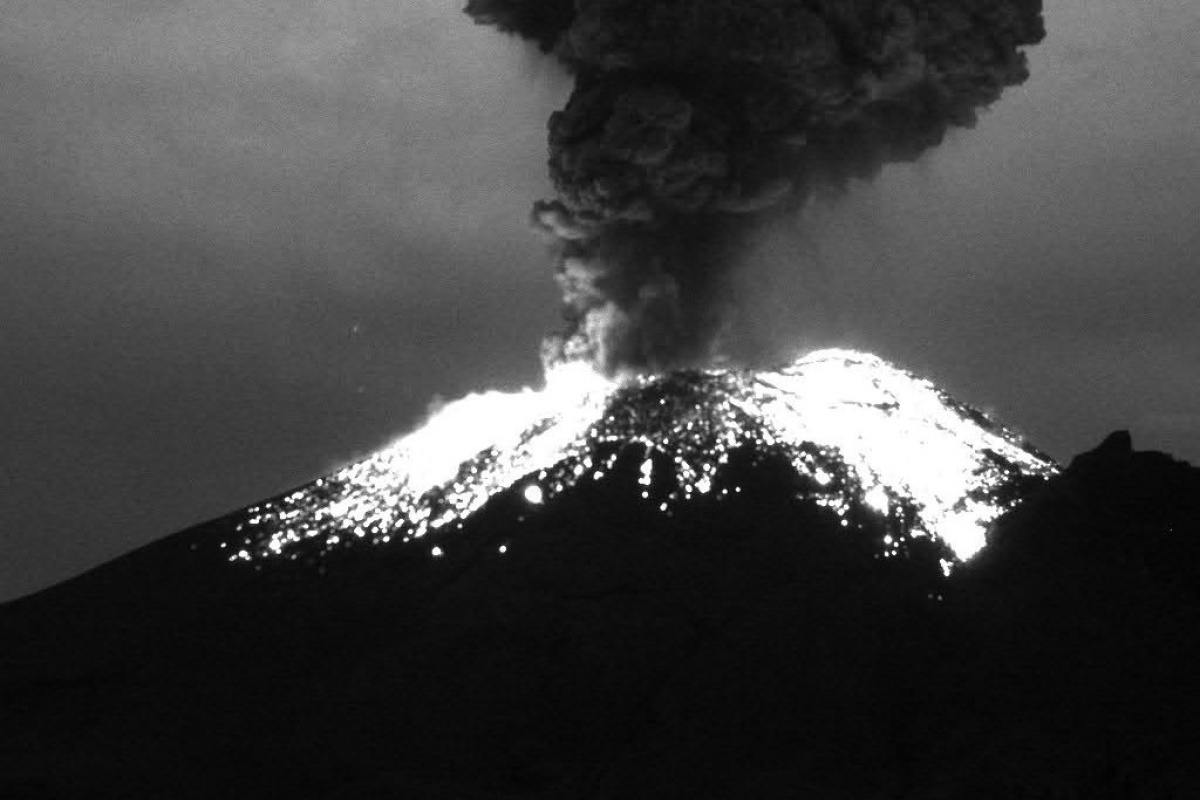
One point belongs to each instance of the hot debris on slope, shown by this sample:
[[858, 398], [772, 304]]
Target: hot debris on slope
[[756, 644]]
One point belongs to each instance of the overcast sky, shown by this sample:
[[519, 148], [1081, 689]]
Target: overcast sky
[[246, 242]]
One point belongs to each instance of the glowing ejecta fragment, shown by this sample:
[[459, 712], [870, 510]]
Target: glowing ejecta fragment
[[647, 472], [861, 433]]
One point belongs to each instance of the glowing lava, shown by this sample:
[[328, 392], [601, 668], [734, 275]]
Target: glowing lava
[[861, 434]]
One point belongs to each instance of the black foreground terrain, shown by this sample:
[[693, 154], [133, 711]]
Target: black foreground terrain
[[750, 648]]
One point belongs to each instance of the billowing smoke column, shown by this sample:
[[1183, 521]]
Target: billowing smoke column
[[694, 121]]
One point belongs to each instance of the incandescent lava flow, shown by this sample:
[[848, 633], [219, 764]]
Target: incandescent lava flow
[[859, 436]]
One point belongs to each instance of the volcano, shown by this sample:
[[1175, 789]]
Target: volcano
[[829, 580], [855, 432]]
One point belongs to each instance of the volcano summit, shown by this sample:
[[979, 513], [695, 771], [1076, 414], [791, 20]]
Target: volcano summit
[[858, 436]]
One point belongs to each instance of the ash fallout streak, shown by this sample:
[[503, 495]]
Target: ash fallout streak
[[694, 122]]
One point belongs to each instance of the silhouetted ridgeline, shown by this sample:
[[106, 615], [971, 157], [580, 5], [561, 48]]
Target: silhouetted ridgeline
[[751, 648]]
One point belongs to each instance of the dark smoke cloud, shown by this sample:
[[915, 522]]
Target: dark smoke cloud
[[692, 122]]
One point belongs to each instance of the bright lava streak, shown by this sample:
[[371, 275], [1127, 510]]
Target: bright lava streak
[[864, 435]]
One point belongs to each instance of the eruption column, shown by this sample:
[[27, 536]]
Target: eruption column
[[693, 122]]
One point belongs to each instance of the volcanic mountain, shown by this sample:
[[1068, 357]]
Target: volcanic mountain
[[826, 580], [855, 433]]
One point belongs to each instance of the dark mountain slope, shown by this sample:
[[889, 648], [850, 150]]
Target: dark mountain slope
[[752, 647]]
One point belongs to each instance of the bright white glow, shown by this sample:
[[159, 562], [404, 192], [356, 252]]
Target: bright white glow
[[647, 472], [865, 434], [876, 497], [900, 433]]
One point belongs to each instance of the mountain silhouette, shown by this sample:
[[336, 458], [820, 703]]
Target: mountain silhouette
[[589, 643]]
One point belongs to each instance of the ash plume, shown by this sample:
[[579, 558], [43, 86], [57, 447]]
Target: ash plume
[[693, 122]]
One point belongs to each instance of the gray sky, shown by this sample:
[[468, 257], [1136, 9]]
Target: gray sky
[[243, 243]]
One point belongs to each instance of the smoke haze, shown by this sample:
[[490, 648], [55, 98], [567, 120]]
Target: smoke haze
[[692, 123]]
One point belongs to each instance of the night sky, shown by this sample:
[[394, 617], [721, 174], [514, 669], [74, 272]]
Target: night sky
[[245, 243]]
